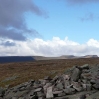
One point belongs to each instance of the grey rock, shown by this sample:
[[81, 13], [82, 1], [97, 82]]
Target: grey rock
[[66, 77], [85, 71], [38, 89], [86, 76], [92, 81], [82, 97], [84, 87], [2, 92], [78, 89], [85, 66], [41, 98], [55, 79], [47, 78], [77, 86], [49, 92], [40, 94], [33, 97], [89, 87], [61, 94], [66, 83], [42, 81], [85, 81], [15, 98], [46, 86], [76, 74], [62, 97], [96, 86], [22, 88], [57, 92], [93, 96], [60, 86], [69, 91]]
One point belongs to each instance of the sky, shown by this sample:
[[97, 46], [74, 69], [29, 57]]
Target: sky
[[49, 27]]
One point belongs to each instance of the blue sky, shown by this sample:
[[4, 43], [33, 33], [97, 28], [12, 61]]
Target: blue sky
[[78, 22], [49, 27]]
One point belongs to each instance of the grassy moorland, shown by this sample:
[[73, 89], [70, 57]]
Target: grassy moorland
[[24, 71]]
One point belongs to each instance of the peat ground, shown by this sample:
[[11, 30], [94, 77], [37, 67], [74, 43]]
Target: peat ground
[[24, 71]]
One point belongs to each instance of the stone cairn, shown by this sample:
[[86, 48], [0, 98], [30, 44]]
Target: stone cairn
[[78, 82]]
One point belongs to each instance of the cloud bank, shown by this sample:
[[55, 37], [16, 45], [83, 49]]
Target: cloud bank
[[54, 47], [12, 20]]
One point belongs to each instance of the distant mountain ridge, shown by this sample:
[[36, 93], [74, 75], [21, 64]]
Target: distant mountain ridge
[[10, 59], [63, 57], [89, 56]]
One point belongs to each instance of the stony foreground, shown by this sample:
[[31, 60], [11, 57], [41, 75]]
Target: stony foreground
[[78, 82]]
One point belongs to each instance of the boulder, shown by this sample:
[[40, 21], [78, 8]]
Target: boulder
[[60, 86], [49, 93], [69, 91], [76, 74], [85, 66]]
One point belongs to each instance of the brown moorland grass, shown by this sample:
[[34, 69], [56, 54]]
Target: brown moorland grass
[[38, 69]]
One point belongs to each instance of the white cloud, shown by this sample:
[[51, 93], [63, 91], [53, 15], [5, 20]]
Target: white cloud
[[93, 43], [54, 47]]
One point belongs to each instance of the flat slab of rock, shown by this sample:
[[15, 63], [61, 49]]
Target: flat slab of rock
[[49, 93]]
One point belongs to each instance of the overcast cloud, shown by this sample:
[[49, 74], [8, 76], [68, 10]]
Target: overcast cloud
[[54, 47], [12, 22]]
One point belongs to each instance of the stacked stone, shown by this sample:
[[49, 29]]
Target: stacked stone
[[79, 82]]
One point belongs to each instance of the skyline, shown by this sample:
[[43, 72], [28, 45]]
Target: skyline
[[49, 28]]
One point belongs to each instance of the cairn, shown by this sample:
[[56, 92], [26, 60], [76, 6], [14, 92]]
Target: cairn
[[78, 82]]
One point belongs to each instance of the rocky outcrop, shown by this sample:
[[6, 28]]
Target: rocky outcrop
[[79, 82]]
